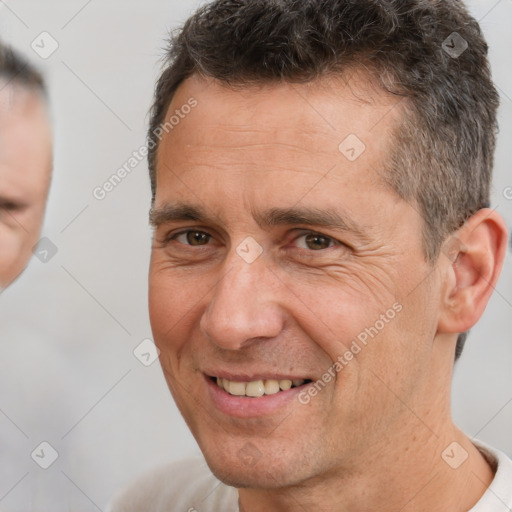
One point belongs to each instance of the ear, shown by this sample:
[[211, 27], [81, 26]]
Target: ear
[[471, 260]]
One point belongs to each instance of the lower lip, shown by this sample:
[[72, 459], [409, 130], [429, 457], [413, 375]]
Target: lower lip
[[248, 407]]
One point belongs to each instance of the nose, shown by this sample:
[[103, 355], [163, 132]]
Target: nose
[[244, 306]]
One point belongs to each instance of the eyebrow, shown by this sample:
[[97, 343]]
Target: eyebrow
[[326, 218], [175, 213]]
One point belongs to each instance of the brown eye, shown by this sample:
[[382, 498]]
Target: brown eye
[[317, 242], [197, 238], [191, 237]]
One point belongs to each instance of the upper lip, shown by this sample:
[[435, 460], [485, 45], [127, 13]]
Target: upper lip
[[252, 376]]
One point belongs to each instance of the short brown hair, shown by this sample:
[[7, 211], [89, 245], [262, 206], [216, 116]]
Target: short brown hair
[[442, 157]]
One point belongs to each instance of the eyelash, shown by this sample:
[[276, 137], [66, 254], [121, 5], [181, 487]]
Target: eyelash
[[332, 240]]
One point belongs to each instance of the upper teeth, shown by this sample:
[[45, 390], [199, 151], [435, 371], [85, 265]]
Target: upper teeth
[[257, 388]]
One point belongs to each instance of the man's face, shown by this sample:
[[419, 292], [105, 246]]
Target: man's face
[[274, 250], [25, 167]]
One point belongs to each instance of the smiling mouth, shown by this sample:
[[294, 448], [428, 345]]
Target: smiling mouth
[[258, 388]]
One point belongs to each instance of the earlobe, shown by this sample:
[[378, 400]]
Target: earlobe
[[474, 257]]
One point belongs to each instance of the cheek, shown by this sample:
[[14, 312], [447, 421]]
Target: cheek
[[14, 253], [417, 323], [396, 353], [339, 306], [173, 308], [11, 242], [34, 221]]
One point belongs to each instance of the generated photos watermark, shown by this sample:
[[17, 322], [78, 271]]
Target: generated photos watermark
[[358, 343], [101, 192]]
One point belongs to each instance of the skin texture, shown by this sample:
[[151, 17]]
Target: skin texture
[[372, 438], [25, 170]]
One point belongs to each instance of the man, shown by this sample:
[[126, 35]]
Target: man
[[25, 162], [323, 241]]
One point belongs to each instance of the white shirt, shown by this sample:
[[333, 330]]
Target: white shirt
[[189, 486]]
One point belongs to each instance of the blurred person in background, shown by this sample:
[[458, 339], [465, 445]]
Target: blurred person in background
[[25, 161]]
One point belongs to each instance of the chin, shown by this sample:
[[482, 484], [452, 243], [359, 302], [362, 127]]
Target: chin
[[248, 478], [248, 468]]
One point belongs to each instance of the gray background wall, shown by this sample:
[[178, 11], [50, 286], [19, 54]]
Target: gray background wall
[[68, 328]]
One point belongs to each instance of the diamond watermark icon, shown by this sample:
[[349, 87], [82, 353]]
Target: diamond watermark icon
[[452, 247], [249, 250], [454, 45], [351, 147], [249, 454], [44, 45], [44, 250], [44, 455], [454, 455], [146, 352]]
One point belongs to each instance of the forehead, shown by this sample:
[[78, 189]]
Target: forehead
[[25, 141], [289, 134]]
